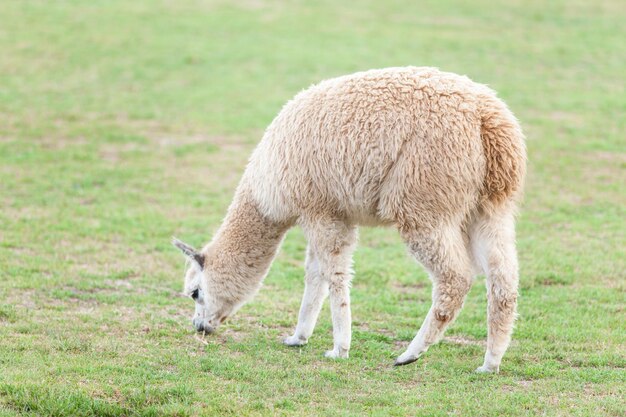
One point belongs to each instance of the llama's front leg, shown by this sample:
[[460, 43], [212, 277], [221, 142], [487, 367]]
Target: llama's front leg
[[341, 315], [315, 292], [334, 243]]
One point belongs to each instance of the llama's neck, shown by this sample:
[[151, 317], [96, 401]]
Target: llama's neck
[[240, 254]]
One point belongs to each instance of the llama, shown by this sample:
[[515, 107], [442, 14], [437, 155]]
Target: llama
[[431, 153]]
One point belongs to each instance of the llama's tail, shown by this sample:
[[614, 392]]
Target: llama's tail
[[505, 153]]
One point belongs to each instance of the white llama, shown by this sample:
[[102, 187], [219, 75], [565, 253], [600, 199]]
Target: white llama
[[430, 153]]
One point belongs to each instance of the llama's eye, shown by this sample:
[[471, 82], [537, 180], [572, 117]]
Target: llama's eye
[[195, 294]]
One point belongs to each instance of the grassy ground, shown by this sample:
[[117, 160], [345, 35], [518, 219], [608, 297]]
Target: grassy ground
[[123, 123]]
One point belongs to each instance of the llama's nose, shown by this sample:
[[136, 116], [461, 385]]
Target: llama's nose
[[202, 326]]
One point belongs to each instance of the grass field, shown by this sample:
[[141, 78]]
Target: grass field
[[124, 123]]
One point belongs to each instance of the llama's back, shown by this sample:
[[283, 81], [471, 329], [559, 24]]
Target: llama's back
[[398, 145]]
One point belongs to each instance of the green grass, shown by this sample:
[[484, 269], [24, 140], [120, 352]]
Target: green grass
[[123, 123]]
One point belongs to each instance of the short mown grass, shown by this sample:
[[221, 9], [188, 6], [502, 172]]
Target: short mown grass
[[124, 123]]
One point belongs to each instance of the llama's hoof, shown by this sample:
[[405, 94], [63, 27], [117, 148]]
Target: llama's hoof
[[487, 369], [337, 354], [405, 360], [294, 341]]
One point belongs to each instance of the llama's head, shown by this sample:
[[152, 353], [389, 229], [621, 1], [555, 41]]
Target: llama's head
[[212, 308]]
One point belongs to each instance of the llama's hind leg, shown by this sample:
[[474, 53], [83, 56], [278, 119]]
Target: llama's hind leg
[[444, 253], [315, 292], [493, 241]]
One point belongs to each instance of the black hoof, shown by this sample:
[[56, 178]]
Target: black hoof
[[406, 362]]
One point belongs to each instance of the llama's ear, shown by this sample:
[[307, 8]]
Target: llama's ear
[[189, 252]]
